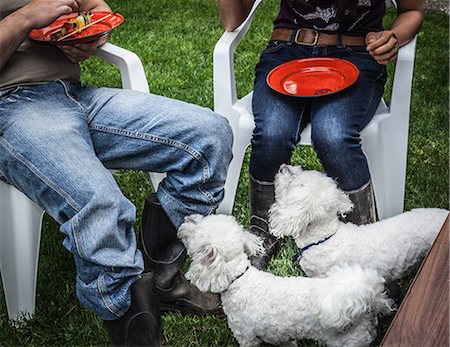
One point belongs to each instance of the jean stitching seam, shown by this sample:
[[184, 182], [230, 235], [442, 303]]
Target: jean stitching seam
[[188, 149], [42, 177], [3, 177], [211, 201], [77, 241], [110, 307], [298, 133], [148, 137], [71, 98]]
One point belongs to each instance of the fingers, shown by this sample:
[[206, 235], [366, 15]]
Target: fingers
[[67, 6], [386, 46], [81, 51], [69, 53], [71, 6], [386, 58], [370, 38], [382, 46], [75, 54], [377, 40], [43, 12]]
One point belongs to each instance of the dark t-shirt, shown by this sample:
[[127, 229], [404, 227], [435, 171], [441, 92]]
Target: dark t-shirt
[[321, 15]]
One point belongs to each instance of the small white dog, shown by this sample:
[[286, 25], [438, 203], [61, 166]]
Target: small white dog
[[307, 207], [339, 310]]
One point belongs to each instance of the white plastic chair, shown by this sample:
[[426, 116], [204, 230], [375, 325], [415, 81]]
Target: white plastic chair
[[21, 218], [384, 139]]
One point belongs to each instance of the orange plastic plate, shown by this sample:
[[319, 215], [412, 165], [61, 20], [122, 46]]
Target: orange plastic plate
[[312, 77], [89, 34]]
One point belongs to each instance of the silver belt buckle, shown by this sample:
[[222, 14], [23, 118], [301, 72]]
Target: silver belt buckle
[[316, 38]]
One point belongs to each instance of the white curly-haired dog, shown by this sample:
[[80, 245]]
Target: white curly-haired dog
[[307, 207], [339, 309]]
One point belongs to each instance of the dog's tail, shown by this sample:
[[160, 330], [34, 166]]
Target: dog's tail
[[348, 293]]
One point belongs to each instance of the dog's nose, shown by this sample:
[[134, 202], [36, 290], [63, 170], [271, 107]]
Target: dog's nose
[[285, 169]]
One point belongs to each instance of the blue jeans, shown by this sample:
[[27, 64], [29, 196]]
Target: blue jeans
[[57, 141], [336, 119]]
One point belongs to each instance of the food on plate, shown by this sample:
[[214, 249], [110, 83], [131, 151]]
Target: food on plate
[[73, 24]]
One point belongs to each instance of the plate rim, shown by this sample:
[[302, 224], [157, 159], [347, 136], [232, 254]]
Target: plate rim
[[283, 65], [74, 39]]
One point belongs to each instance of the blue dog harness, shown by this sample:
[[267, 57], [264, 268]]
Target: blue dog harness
[[298, 256]]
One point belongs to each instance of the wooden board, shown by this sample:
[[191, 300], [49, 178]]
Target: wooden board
[[423, 317]]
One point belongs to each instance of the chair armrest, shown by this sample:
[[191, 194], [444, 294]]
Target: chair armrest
[[402, 83], [130, 66], [223, 64]]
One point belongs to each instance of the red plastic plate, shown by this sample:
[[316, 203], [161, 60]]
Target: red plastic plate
[[312, 77], [89, 34]]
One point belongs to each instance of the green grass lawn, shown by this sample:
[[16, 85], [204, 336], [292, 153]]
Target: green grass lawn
[[175, 40]]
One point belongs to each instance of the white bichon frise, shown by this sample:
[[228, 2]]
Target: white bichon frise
[[339, 310], [307, 207]]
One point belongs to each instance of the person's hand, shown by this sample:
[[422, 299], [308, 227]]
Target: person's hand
[[40, 13], [81, 51], [383, 46]]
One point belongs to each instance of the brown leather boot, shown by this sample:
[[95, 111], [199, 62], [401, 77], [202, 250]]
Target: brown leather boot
[[141, 324], [364, 211], [164, 255], [262, 196]]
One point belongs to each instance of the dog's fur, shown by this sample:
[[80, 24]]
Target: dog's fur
[[308, 206], [339, 310]]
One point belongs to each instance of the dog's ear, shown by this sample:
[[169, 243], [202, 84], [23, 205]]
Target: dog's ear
[[332, 198], [208, 270], [288, 219], [253, 244]]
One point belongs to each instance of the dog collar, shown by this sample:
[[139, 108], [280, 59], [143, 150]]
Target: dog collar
[[248, 267], [298, 256]]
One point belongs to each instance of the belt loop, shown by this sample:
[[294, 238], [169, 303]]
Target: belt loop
[[339, 40], [293, 36]]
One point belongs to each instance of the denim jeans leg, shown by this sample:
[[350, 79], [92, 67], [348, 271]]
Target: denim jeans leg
[[279, 118], [337, 120], [54, 138], [143, 131], [47, 153]]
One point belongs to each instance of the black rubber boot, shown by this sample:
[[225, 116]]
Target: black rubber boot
[[141, 324], [262, 196], [364, 211], [164, 255]]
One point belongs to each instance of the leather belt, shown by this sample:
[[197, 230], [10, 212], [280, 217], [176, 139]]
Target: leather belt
[[312, 37]]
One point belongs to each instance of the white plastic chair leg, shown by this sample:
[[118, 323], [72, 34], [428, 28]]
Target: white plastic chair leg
[[370, 139], [240, 144], [388, 170], [156, 178], [20, 232]]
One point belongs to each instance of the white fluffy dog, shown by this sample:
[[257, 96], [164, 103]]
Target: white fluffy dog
[[339, 310], [307, 207]]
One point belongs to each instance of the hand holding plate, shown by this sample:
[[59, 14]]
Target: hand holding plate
[[101, 24], [40, 13], [81, 51]]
